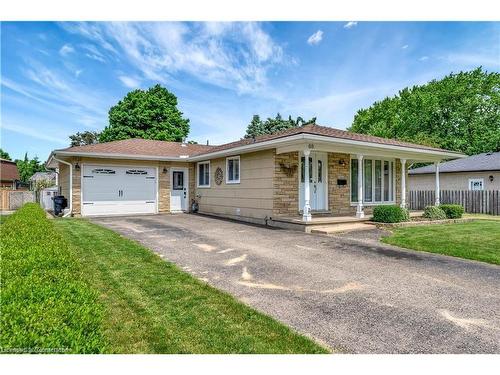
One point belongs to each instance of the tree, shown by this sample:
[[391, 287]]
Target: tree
[[460, 112], [84, 138], [4, 155], [28, 168], [273, 125], [148, 114]]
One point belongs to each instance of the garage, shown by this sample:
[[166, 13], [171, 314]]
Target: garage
[[118, 190]]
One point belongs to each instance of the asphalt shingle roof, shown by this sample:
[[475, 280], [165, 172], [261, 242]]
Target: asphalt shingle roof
[[480, 162]]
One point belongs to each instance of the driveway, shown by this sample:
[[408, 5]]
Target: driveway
[[349, 294]]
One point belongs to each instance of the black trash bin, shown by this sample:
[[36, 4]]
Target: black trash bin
[[60, 203]]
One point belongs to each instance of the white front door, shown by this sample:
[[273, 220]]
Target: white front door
[[317, 181], [118, 190], [179, 189]]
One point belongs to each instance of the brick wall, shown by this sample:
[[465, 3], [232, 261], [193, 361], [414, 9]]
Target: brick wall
[[339, 199], [285, 184]]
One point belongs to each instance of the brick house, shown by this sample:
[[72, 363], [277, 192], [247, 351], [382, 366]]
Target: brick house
[[256, 180], [9, 175]]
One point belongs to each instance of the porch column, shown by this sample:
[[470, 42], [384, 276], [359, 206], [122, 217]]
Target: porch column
[[360, 213], [403, 183], [306, 215], [436, 202]]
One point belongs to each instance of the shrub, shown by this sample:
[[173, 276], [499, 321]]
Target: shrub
[[46, 305], [452, 211], [390, 214], [434, 213]]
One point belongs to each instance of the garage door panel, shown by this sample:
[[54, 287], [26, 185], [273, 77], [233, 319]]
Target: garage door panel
[[108, 190]]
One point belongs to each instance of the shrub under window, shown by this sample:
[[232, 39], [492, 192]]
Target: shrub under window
[[390, 214]]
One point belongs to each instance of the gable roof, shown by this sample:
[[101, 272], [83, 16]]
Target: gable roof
[[159, 149], [8, 170], [43, 176], [482, 162]]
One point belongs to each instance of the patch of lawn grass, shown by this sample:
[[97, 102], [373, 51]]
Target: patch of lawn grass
[[154, 307], [46, 305], [477, 240]]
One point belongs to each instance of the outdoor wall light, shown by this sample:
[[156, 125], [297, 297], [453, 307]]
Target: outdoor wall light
[[491, 178], [342, 162], [165, 170], [77, 167]]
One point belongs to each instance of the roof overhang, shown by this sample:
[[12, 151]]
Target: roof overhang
[[297, 142]]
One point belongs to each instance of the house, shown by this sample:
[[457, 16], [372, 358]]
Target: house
[[294, 173], [43, 176], [9, 175], [477, 172]]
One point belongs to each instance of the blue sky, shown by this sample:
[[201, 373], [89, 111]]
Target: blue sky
[[60, 78]]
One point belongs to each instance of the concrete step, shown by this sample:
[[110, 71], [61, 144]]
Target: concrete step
[[340, 228]]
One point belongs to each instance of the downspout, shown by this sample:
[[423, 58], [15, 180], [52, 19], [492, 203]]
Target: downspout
[[70, 185]]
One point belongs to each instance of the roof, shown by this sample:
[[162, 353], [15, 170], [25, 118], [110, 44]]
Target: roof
[[43, 176], [8, 170], [324, 131], [138, 146], [482, 162], [144, 147]]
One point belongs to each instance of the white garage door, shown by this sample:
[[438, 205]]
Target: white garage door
[[109, 190]]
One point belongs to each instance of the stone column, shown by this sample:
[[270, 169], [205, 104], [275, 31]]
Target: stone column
[[436, 202], [306, 216], [403, 183], [360, 213]]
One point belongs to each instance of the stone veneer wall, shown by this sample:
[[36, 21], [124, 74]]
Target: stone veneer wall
[[339, 199], [286, 184]]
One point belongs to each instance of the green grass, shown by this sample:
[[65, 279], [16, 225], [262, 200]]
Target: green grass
[[477, 240], [154, 307], [46, 305]]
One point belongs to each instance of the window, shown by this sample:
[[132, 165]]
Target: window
[[378, 181], [233, 170], [302, 169], [177, 180], [204, 174], [476, 183]]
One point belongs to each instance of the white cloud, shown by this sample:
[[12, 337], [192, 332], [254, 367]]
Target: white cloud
[[66, 49], [423, 58], [78, 72], [315, 38], [93, 53], [350, 24], [130, 82], [235, 56], [405, 46]]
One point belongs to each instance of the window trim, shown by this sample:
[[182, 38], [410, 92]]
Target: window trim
[[392, 179], [227, 170], [476, 180], [198, 174]]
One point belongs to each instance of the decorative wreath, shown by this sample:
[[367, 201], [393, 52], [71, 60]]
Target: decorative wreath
[[219, 176]]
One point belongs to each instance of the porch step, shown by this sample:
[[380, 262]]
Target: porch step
[[340, 228]]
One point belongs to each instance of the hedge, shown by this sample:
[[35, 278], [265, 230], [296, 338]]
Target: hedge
[[46, 306], [434, 213], [390, 214], [452, 211]]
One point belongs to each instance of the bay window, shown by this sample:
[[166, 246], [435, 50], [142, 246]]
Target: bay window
[[378, 180]]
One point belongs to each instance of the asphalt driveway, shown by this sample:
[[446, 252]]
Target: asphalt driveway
[[346, 293]]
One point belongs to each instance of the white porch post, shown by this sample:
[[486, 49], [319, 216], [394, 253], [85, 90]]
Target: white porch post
[[306, 215], [403, 183], [436, 202], [360, 213]]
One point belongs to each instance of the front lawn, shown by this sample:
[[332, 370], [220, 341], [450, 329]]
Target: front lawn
[[477, 240], [151, 306]]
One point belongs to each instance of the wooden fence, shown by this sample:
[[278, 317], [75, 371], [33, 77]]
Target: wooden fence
[[473, 201], [14, 199]]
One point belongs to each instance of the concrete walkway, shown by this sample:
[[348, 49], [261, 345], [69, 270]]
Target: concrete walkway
[[347, 293]]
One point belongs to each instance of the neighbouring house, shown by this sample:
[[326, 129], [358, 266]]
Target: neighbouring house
[[477, 172], [294, 173], [9, 175], [43, 176]]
